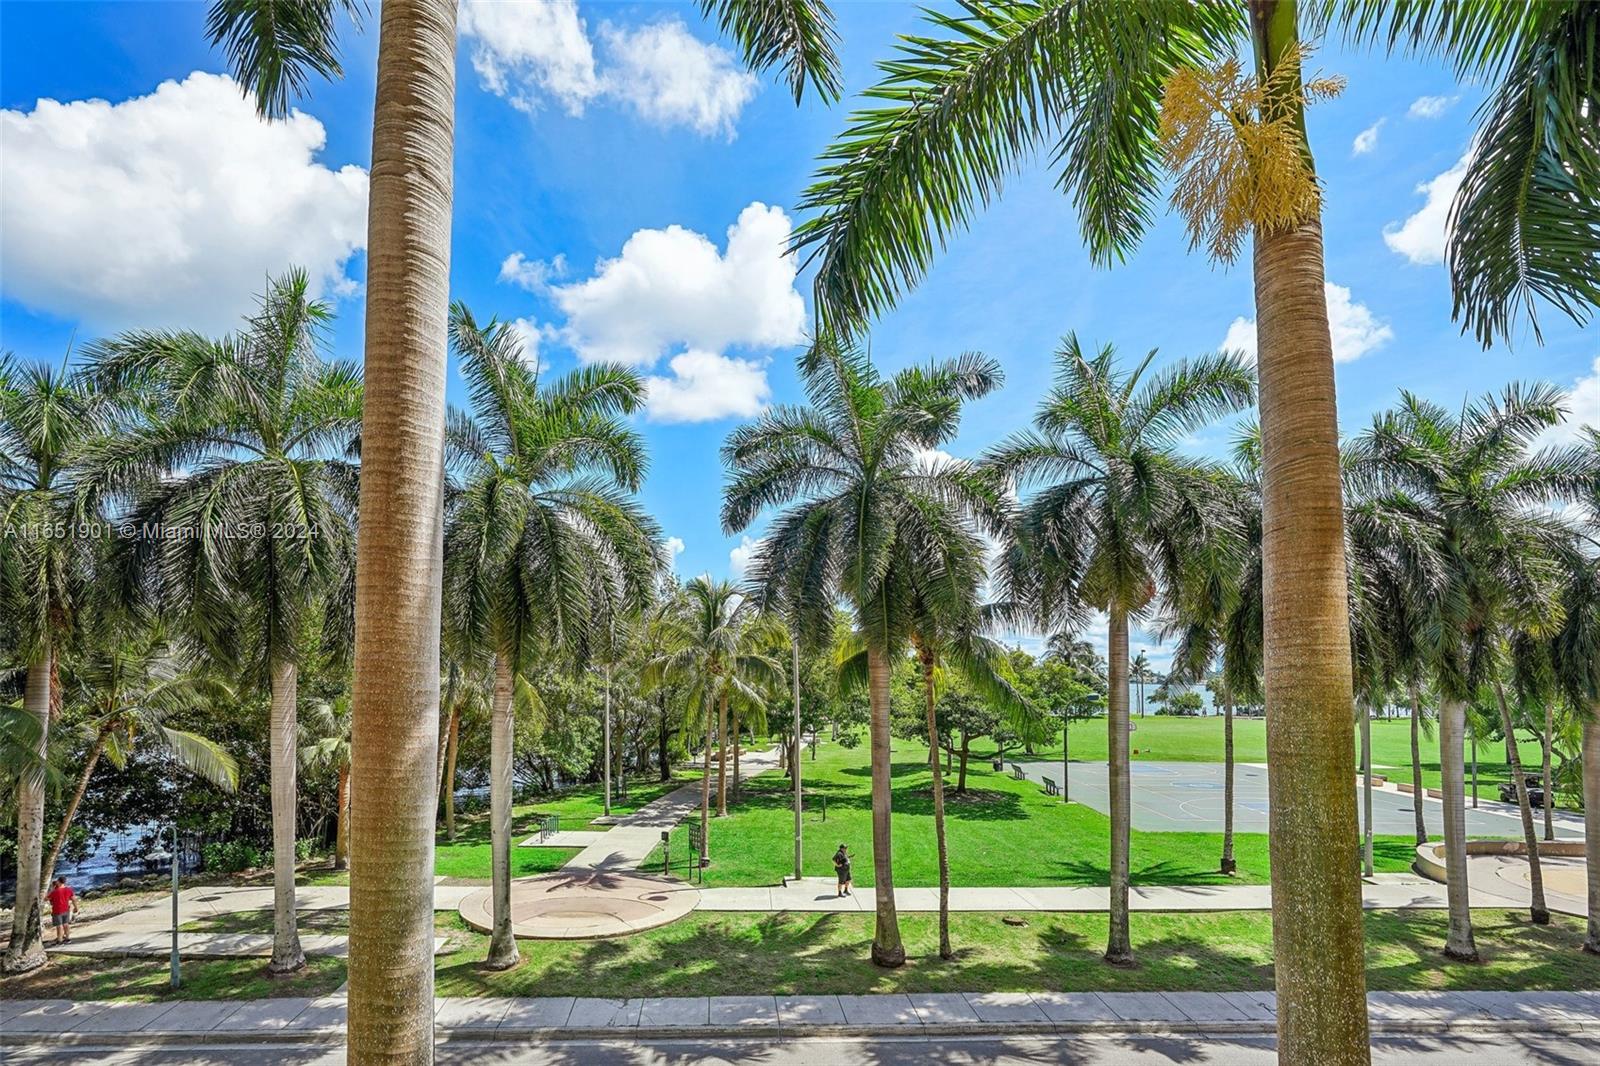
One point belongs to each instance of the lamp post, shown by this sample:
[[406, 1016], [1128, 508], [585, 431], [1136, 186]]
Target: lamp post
[[158, 856]]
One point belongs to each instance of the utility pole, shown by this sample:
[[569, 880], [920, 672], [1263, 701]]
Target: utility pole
[[609, 651]]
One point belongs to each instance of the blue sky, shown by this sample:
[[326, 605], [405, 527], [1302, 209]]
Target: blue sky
[[623, 190]]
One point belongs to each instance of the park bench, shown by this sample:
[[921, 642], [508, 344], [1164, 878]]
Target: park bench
[[1016, 772], [1050, 788]]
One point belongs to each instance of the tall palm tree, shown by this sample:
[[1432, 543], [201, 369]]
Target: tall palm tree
[[125, 693], [852, 469], [273, 49], [248, 433], [1575, 658], [1120, 518], [546, 543], [325, 742], [959, 108], [1220, 616], [1470, 483], [715, 646], [46, 418], [1141, 671]]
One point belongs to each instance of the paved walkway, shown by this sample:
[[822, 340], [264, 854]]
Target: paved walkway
[[147, 930], [954, 1013], [1383, 892], [600, 892]]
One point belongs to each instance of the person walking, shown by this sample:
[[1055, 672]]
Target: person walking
[[841, 867], [63, 908]]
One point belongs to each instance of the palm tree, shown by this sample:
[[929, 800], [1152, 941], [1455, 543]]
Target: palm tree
[[273, 49], [46, 418], [1141, 671], [1469, 482], [1220, 615], [1575, 658], [546, 543], [716, 648], [958, 109], [325, 742], [125, 693], [852, 467], [1120, 517], [243, 433]]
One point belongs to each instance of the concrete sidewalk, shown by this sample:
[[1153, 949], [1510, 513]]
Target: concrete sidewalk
[[147, 930], [1384, 892], [34, 1022]]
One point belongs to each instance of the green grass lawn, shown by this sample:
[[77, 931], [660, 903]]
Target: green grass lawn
[[717, 954], [468, 859], [1164, 739], [1004, 832]]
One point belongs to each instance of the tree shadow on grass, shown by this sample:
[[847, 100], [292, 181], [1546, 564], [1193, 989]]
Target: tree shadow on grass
[[1157, 874]]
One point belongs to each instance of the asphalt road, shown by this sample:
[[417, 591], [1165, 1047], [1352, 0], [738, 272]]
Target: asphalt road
[[1519, 1049], [1187, 796]]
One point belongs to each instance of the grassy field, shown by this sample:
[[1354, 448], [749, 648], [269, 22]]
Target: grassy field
[[716, 954], [467, 859], [1003, 832]]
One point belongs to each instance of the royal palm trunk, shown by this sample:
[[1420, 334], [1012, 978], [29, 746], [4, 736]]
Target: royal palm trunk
[[705, 788], [1591, 824], [503, 729], [400, 542], [1316, 914], [722, 756], [945, 951], [1416, 765], [26, 950], [1452, 723], [286, 954], [341, 833], [449, 787], [1119, 948], [1228, 864], [1536, 905], [1549, 792], [887, 949], [1366, 788]]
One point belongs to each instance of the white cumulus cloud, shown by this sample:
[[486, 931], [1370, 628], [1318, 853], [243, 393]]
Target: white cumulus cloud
[[672, 286], [674, 546], [1583, 408], [531, 274], [1367, 139], [169, 209], [673, 79], [1421, 237], [739, 557], [528, 51], [1355, 330], [1430, 106], [706, 386]]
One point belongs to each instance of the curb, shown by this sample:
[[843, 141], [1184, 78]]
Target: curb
[[329, 1035]]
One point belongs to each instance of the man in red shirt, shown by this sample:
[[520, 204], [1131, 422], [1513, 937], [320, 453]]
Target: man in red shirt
[[63, 908]]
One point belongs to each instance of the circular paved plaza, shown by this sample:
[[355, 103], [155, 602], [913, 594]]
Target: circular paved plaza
[[579, 904]]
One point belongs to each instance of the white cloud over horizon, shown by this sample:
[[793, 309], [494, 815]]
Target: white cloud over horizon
[[1354, 328], [739, 556], [167, 210], [533, 275], [529, 52], [1583, 408], [1422, 236]]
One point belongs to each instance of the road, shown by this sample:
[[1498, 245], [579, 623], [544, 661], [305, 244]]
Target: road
[[1520, 1049]]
